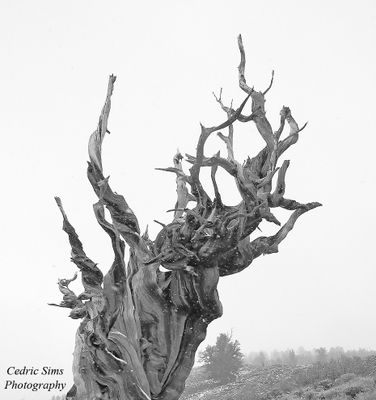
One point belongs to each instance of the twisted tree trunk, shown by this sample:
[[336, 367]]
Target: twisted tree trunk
[[141, 325]]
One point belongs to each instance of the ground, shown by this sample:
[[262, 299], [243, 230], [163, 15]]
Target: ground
[[310, 382]]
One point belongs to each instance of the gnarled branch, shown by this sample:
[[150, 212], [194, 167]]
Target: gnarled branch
[[141, 323]]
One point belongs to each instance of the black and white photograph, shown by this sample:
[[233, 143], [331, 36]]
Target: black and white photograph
[[187, 200]]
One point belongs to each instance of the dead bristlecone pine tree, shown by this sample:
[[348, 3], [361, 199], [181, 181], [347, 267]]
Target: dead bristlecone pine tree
[[141, 324]]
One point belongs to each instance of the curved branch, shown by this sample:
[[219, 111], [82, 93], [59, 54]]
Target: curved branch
[[270, 85], [293, 136], [92, 276], [205, 133], [241, 256], [70, 300], [96, 139], [124, 220], [279, 191], [214, 161], [242, 81], [114, 283]]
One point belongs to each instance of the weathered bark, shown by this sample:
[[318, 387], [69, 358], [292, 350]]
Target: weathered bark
[[141, 325]]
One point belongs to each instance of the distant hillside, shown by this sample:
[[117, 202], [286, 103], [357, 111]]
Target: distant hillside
[[350, 378]]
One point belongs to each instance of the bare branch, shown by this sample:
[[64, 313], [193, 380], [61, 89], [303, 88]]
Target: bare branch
[[183, 196], [205, 133], [215, 185], [230, 111], [70, 300], [288, 204], [232, 118], [281, 185], [123, 217], [229, 143], [270, 85], [118, 267], [92, 276], [177, 171], [289, 141], [227, 139], [287, 227], [241, 256], [215, 160], [261, 183], [294, 130], [124, 220], [96, 139], [177, 209], [160, 223], [242, 81], [282, 113]]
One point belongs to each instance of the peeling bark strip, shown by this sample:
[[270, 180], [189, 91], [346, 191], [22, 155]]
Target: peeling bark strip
[[141, 326]]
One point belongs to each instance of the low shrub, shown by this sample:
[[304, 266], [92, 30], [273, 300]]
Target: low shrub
[[366, 396], [344, 378]]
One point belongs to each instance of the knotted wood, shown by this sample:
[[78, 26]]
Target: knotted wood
[[141, 325]]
